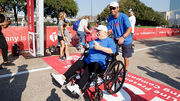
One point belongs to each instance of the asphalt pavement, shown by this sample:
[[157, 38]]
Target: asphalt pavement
[[156, 59]]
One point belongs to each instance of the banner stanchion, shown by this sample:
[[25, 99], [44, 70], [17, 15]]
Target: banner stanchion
[[31, 34]]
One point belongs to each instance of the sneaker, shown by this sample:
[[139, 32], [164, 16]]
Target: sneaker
[[69, 58], [62, 58], [8, 64], [74, 89], [133, 45], [1, 67], [58, 78]]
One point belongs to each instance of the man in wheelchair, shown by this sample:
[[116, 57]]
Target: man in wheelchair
[[98, 52]]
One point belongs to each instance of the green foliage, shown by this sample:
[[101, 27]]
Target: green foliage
[[49, 24], [174, 26], [54, 7], [145, 16], [51, 7]]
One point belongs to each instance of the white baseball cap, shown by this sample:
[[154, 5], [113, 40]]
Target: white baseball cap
[[102, 28], [130, 10], [114, 4]]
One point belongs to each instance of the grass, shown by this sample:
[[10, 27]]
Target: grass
[[145, 26]]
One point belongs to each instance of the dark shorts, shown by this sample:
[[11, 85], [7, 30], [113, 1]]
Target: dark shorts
[[60, 38], [132, 35], [127, 50]]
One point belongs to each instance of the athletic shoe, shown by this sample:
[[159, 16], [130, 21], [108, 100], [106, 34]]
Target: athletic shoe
[[62, 58], [74, 89], [69, 58], [8, 64], [58, 78]]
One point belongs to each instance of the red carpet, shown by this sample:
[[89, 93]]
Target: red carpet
[[135, 88], [59, 65]]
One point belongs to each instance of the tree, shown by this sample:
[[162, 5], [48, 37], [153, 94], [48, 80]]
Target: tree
[[144, 15], [15, 6], [51, 7], [54, 7]]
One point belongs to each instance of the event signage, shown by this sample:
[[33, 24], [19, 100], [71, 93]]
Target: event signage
[[135, 88], [31, 34], [19, 35]]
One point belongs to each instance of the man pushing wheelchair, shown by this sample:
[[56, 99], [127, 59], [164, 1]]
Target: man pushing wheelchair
[[99, 49]]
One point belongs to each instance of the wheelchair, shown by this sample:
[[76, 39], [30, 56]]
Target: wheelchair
[[113, 77]]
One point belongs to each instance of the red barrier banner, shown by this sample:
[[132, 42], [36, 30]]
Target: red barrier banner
[[145, 33], [19, 35]]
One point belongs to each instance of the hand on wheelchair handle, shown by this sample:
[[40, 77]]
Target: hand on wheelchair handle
[[120, 40]]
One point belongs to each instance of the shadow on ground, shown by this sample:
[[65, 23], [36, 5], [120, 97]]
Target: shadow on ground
[[11, 88], [168, 54], [160, 76]]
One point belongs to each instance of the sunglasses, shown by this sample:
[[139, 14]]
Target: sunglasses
[[112, 8]]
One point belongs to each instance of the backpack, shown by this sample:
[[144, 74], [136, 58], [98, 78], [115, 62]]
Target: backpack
[[76, 25]]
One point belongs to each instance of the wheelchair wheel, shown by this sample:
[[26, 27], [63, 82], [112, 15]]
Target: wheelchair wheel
[[114, 77], [98, 95]]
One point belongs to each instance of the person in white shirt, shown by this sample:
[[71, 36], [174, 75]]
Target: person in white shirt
[[81, 30], [132, 20]]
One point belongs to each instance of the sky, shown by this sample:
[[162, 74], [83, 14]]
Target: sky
[[99, 5]]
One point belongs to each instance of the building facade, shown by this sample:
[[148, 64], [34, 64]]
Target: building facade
[[173, 15], [175, 6]]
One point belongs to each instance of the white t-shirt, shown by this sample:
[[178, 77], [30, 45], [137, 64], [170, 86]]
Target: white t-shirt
[[132, 20], [82, 23]]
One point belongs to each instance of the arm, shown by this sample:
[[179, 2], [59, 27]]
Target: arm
[[62, 32], [6, 23], [109, 32], [121, 39], [86, 29], [104, 49]]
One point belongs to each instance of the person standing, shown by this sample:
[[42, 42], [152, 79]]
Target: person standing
[[67, 41], [61, 36], [81, 30], [121, 27], [132, 20], [3, 43]]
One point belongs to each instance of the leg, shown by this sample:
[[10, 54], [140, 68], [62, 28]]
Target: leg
[[66, 50], [126, 63], [76, 66], [60, 78], [83, 37], [88, 71], [126, 53], [4, 47], [61, 49], [92, 67]]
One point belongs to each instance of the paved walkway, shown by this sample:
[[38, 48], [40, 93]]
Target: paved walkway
[[156, 59]]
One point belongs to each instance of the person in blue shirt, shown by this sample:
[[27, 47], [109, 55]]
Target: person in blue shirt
[[120, 25], [95, 61]]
